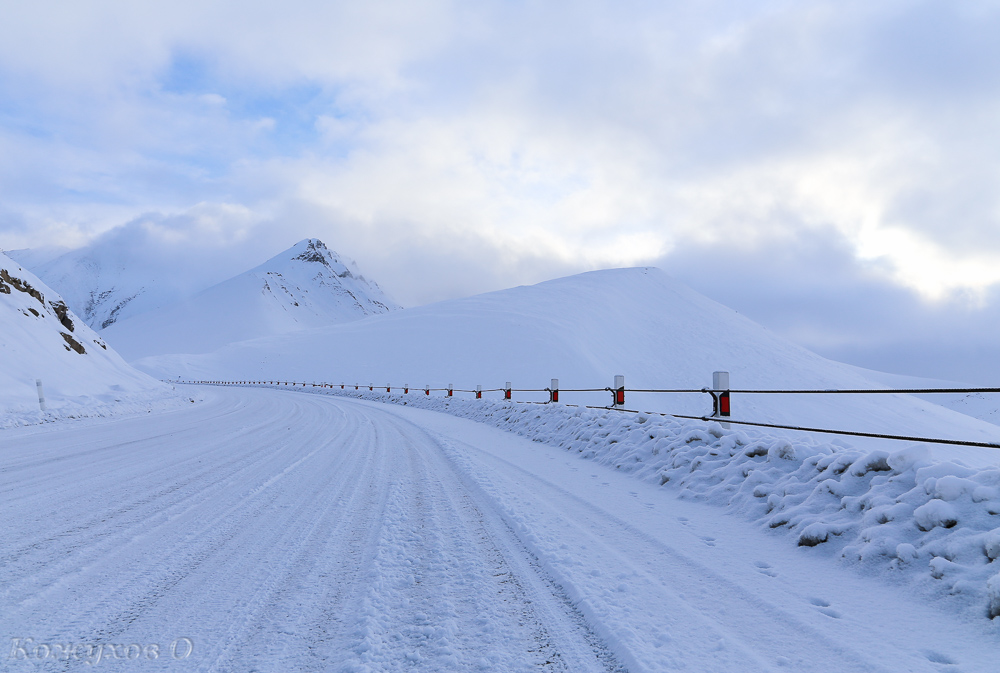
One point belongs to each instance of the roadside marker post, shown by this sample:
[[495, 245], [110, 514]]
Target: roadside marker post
[[619, 390], [41, 394], [720, 396], [554, 391], [427, 390], [450, 391], [479, 392], [406, 388], [506, 391]]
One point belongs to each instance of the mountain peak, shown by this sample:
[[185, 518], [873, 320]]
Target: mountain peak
[[312, 250], [307, 285]]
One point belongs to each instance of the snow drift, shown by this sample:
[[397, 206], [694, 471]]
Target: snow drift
[[583, 330], [307, 285], [43, 339]]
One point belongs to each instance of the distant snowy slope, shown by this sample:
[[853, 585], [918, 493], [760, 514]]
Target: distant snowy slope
[[583, 330], [102, 283], [306, 286], [42, 339]]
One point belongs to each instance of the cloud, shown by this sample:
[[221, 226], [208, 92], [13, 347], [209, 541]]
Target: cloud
[[509, 142], [813, 290]]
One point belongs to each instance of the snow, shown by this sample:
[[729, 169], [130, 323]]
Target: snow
[[278, 531], [101, 283], [584, 330], [899, 510], [81, 375], [307, 285]]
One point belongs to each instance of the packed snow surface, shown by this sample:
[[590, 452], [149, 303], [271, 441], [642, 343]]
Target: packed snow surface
[[274, 531], [42, 339], [307, 285], [935, 523], [583, 330]]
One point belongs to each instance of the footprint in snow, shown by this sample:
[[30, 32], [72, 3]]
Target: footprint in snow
[[683, 519], [824, 607], [710, 541], [765, 569], [938, 658]]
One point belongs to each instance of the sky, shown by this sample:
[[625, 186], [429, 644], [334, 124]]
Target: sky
[[830, 169]]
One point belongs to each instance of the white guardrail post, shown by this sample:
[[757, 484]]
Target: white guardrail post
[[41, 394], [720, 384], [619, 391]]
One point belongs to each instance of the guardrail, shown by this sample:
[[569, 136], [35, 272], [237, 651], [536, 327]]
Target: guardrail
[[720, 393]]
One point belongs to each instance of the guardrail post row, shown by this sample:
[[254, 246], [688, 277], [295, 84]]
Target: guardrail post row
[[619, 391], [479, 392], [554, 391], [506, 391], [450, 391]]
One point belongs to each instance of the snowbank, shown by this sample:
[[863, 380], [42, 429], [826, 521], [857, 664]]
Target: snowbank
[[41, 339], [895, 510]]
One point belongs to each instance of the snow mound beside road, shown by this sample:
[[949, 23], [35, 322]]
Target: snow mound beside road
[[897, 510]]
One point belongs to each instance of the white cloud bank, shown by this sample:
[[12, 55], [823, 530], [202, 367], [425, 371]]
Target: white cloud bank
[[455, 148]]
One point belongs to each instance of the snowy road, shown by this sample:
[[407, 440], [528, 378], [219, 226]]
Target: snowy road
[[266, 530]]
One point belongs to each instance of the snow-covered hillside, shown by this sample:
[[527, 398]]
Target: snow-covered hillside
[[307, 285], [42, 338], [102, 283], [583, 330]]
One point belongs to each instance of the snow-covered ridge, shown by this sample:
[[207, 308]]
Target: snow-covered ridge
[[583, 330], [42, 339], [306, 286], [98, 283], [933, 522]]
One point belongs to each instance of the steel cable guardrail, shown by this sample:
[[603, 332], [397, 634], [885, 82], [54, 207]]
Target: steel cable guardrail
[[720, 393]]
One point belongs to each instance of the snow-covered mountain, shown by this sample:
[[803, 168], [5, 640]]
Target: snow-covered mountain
[[41, 338], [306, 286], [102, 283], [583, 330]]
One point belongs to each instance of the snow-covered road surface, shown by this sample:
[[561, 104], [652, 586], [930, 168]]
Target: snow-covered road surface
[[279, 531]]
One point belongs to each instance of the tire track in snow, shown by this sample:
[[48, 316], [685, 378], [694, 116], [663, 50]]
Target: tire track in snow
[[263, 531], [685, 603], [450, 592]]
